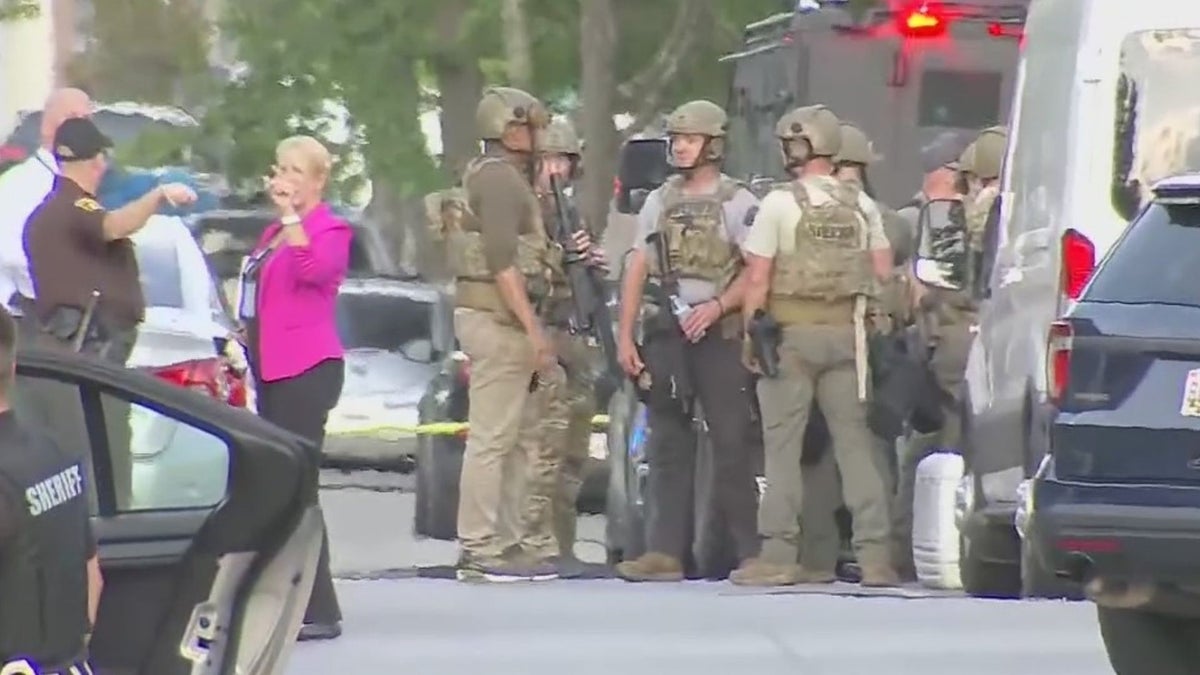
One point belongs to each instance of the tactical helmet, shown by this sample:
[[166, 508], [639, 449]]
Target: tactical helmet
[[986, 153], [704, 118], [814, 124], [502, 106], [698, 117], [856, 147], [559, 137]]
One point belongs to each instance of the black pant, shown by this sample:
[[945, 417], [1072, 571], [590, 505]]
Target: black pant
[[728, 495], [301, 404]]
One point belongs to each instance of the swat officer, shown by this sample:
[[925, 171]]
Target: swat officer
[[566, 422], [502, 262], [947, 317], [698, 218], [813, 256], [888, 313], [49, 571]]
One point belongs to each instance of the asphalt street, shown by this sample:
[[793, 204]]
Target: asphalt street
[[395, 622]]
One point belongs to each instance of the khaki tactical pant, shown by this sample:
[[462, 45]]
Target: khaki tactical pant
[[502, 410], [821, 540], [949, 364], [817, 362], [563, 416]]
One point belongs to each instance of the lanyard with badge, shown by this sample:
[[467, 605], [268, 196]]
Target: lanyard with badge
[[248, 279]]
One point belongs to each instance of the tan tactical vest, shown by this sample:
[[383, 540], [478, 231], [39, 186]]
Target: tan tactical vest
[[698, 246], [829, 262], [453, 223]]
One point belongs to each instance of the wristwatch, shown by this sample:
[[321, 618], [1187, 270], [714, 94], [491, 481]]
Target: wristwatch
[[290, 220]]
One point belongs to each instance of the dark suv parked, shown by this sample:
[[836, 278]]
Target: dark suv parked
[[1116, 503]]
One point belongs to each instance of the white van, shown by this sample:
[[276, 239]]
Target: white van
[[1107, 103]]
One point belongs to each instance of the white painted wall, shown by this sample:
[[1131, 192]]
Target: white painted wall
[[26, 65]]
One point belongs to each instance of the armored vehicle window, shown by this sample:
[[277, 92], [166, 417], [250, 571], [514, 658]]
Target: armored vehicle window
[[1157, 125], [961, 99]]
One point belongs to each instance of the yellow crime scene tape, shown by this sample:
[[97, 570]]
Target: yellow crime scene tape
[[389, 432]]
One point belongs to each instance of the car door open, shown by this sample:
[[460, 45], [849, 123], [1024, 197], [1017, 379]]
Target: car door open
[[206, 518]]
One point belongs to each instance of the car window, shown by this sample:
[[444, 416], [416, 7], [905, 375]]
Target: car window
[[962, 99], [160, 275], [644, 164], [155, 461], [1156, 260], [382, 320], [55, 407], [1157, 126], [160, 462]]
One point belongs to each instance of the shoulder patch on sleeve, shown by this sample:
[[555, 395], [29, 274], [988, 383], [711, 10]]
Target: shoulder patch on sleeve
[[88, 204]]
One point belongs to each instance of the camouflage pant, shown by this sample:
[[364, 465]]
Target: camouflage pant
[[563, 418], [503, 415]]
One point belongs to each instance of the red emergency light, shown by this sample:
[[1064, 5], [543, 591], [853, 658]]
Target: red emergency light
[[922, 21]]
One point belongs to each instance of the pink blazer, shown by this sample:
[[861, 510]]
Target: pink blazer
[[297, 292]]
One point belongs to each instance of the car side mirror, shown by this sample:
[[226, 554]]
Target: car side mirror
[[942, 257], [419, 351]]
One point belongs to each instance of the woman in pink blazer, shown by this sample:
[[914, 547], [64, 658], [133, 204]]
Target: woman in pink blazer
[[289, 290]]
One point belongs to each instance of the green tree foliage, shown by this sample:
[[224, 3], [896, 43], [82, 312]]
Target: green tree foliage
[[374, 55], [18, 9], [149, 51]]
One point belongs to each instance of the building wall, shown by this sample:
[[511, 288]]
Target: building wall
[[27, 63]]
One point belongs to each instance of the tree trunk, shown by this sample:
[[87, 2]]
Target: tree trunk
[[643, 93], [597, 50], [518, 51], [460, 83]]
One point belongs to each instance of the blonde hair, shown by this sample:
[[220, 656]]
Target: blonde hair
[[313, 154]]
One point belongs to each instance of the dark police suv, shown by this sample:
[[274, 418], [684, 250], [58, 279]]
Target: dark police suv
[[1116, 503]]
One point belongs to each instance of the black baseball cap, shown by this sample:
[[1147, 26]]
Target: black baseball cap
[[79, 139]]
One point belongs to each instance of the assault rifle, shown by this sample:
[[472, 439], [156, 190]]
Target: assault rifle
[[590, 313]]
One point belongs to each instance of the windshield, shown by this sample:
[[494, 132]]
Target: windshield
[[160, 276], [382, 320], [1165, 239], [1157, 129]]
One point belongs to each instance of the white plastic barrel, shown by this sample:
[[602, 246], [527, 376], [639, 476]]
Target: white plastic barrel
[[935, 535]]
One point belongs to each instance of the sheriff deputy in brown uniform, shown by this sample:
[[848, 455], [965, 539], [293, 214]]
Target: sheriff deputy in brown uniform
[[80, 256]]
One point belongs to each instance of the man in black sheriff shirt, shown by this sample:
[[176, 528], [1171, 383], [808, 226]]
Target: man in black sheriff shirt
[[80, 255], [49, 572], [85, 279]]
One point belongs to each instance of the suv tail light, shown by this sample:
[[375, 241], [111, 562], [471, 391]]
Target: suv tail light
[[1078, 263], [1058, 360], [616, 187], [206, 376]]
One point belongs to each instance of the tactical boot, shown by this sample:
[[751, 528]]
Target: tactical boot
[[879, 576], [651, 567], [759, 572], [502, 569]]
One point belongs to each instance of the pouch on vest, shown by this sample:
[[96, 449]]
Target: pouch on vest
[[698, 245]]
